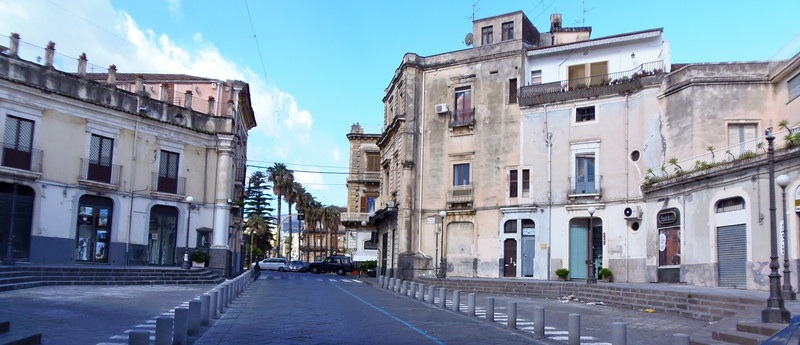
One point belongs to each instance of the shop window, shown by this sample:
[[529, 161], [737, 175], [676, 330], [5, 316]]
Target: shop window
[[94, 228]]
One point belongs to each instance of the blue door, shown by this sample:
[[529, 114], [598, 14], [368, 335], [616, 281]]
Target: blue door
[[577, 252]]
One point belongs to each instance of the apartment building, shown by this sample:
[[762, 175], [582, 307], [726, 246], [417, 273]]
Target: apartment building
[[363, 189], [97, 174]]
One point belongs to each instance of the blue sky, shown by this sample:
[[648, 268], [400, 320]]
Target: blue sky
[[317, 67]]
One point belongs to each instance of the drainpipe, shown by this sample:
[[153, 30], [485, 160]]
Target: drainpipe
[[549, 188], [627, 184], [132, 194]]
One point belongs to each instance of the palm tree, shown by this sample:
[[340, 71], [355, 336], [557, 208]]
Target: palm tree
[[331, 219], [294, 190], [281, 178], [313, 217], [303, 201]]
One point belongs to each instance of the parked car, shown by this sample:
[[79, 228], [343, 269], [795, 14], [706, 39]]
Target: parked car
[[298, 266], [335, 263], [273, 264], [789, 335]]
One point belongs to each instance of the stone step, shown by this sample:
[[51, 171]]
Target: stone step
[[9, 336], [738, 337]]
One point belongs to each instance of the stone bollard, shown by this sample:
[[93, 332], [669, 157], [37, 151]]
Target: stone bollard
[[490, 309], [390, 286], [471, 298], [431, 294], [512, 315], [179, 335], [380, 279], [412, 289], [205, 309], [213, 305], [139, 337], [194, 316], [619, 333], [443, 297], [457, 300], [574, 329], [538, 322], [680, 339], [420, 292], [398, 285], [164, 325], [404, 287]]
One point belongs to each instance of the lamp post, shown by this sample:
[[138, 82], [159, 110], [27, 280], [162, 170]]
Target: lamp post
[[191, 206], [441, 270], [591, 278], [787, 290], [775, 312]]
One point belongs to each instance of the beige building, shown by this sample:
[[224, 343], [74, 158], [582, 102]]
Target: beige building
[[93, 173], [363, 189]]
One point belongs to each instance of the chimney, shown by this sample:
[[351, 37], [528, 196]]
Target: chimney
[[356, 129], [555, 22], [140, 84], [165, 92], [82, 64], [13, 51], [211, 105], [187, 100], [49, 52], [112, 75]]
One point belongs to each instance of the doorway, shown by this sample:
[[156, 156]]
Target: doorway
[[162, 235], [16, 216], [510, 258], [94, 228]]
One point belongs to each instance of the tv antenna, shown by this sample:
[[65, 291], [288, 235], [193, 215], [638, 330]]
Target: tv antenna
[[584, 10]]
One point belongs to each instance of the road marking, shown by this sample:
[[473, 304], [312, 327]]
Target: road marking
[[415, 329]]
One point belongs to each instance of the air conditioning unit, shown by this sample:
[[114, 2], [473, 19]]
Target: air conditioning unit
[[632, 212], [441, 108]]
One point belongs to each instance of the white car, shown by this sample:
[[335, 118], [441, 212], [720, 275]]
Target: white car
[[274, 264]]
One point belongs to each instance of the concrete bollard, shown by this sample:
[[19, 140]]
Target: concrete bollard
[[404, 287], [179, 335], [680, 339], [619, 333], [443, 297], [412, 289], [574, 329], [194, 316], [164, 330], [431, 294], [398, 285], [380, 279], [512, 315], [538, 322], [205, 309], [390, 286], [457, 300], [471, 299], [139, 337], [213, 305], [490, 309], [420, 292]]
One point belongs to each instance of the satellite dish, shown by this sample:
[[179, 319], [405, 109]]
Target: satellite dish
[[468, 39]]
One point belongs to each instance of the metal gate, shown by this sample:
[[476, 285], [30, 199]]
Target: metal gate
[[732, 255]]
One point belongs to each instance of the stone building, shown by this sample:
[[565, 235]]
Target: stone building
[[94, 173], [363, 189]]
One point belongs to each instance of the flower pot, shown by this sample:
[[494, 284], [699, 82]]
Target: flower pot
[[196, 264]]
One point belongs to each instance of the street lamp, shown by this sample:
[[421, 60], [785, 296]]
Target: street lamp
[[775, 312], [191, 206], [441, 270], [787, 291], [591, 278]]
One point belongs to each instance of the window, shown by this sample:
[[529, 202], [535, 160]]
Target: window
[[513, 181], [510, 227], [583, 75], [461, 174], [463, 111], [794, 87], [367, 204], [742, 137], [507, 31], [583, 114], [373, 161], [584, 173], [18, 143], [536, 77], [526, 182], [100, 153], [512, 91], [168, 172], [486, 35], [372, 243]]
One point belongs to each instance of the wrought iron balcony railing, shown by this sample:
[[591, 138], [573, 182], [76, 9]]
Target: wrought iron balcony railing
[[95, 171], [166, 184], [23, 160], [584, 187]]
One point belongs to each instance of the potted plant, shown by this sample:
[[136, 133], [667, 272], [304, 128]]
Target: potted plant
[[606, 274], [562, 273], [199, 258]]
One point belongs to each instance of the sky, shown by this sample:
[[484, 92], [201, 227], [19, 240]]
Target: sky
[[317, 67]]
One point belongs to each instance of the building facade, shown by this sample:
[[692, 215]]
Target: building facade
[[363, 189], [96, 174]]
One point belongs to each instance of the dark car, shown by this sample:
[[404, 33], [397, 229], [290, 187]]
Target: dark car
[[298, 266], [335, 263]]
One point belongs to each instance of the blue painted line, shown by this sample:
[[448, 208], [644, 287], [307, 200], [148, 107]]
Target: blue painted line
[[426, 335]]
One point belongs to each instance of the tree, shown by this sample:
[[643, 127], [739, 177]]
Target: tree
[[260, 235], [331, 219], [281, 178], [303, 201], [258, 202], [292, 194], [313, 218]]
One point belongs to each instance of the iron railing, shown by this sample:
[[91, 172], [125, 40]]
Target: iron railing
[[170, 185], [579, 187], [92, 171]]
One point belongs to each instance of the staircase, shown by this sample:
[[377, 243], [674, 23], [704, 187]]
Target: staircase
[[21, 277], [9, 337], [744, 328]]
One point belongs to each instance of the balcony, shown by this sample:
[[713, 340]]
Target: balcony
[[649, 73], [26, 164], [354, 217], [462, 117], [582, 188], [168, 185], [99, 175], [365, 177], [460, 194]]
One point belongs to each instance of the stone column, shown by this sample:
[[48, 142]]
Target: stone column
[[220, 258]]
